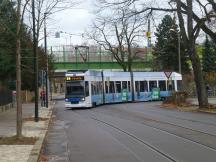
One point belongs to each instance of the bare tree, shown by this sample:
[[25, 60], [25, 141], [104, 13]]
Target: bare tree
[[189, 37], [119, 35], [203, 12], [44, 9], [20, 10], [194, 19]]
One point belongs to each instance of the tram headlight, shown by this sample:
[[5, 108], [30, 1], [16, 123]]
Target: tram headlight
[[66, 100], [83, 99]]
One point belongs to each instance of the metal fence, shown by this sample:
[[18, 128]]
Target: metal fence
[[193, 93], [70, 53], [5, 97]]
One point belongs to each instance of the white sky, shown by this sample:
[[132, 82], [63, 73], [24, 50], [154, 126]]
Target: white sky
[[72, 23]]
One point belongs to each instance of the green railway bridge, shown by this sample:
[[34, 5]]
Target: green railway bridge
[[85, 57]]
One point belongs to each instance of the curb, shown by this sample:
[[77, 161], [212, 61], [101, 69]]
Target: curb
[[206, 112], [35, 152]]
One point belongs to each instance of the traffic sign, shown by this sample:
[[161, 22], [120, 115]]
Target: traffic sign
[[168, 74]]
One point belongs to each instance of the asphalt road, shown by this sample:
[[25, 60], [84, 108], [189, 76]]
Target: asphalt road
[[132, 132]]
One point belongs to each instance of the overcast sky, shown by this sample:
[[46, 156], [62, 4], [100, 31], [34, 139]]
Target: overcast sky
[[72, 23], [75, 21]]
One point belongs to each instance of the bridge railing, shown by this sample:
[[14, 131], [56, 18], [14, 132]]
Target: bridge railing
[[92, 54]]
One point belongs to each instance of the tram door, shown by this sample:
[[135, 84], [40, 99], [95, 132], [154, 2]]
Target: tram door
[[118, 90], [137, 88]]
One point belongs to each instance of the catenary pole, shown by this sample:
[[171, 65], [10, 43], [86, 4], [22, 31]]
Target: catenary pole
[[46, 55], [35, 62]]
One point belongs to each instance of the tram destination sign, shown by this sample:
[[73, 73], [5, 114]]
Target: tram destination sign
[[75, 78]]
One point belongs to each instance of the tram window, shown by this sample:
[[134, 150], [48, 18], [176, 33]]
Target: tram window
[[111, 87], [137, 86], [129, 86], [162, 85], [96, 88], [118, 87], [75, 88], [87, 88], [179, 85], [143, 86], [106, 87], [93, 87], [173, 85], [152, 84], [124, 84], [100, 87]]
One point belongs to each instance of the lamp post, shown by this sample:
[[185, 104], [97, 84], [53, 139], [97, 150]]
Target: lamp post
[[35, 62], [46, 55], [179, 51]]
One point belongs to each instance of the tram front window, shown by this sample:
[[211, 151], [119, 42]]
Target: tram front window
[[75, 89]]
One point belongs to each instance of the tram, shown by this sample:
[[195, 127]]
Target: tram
[[88, 88]]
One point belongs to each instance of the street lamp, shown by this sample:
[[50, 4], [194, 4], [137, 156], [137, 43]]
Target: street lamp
[[179, 49], [35, 62]]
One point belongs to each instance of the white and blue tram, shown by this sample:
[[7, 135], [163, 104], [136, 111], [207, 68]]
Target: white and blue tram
[[91, 88]]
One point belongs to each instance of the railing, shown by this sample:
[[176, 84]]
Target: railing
[[210, 93], [70, 53]]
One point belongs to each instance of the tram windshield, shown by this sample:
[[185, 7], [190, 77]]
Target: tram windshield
[[75, 89]]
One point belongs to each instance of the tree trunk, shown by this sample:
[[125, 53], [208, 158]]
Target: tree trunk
[[18, 74], [18, 90], [130, 66], [198, 77], [199, 81], [124, 68]]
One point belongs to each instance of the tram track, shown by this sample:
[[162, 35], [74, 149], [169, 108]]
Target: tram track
[[138, 139], [203, 138], [130, 135], [192, 135], [100, 118], [185, 119], [137, 115]]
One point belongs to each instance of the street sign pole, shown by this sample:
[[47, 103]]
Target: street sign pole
[[168, 74]]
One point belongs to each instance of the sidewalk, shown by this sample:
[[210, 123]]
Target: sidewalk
[[23, 153], [211, 100]]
